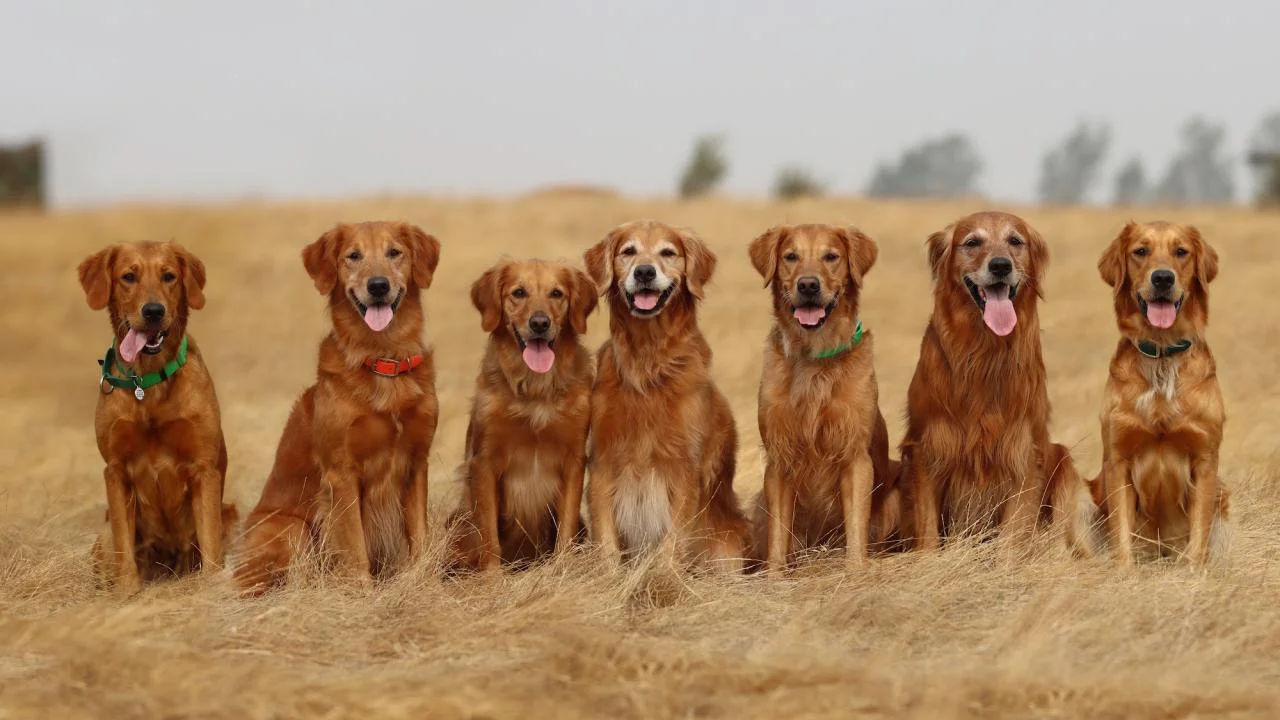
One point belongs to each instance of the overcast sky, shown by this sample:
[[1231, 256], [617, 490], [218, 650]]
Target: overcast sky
[[284, 98]]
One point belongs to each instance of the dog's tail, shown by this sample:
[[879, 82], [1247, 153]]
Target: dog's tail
[[1072, 501], [271, 541]]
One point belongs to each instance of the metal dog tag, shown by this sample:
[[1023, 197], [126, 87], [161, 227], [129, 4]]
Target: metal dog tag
[[138, 393]]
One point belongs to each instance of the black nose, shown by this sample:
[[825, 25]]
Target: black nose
[[809, 286], [379, 286], [153, 312], [645, 273], [1000, 266], [1161, 279], [539, 323]]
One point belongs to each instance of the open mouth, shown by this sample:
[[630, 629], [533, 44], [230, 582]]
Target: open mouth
[[1161, 312], [996, 303], [141, 342], [812, 317], [378, 315], [539, 354], [648, 302]]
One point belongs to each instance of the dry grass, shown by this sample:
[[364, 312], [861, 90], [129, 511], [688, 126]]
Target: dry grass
[[963, 634]]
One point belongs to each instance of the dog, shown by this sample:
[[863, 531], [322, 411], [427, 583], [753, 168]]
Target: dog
[[158, 424], [976, 456], [828, 479], [526, 439], [662, 445], [351, 466], [1162, 413]]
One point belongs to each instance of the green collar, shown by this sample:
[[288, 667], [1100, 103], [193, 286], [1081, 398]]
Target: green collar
[[1155, 352], [853, 343], [135, 382]]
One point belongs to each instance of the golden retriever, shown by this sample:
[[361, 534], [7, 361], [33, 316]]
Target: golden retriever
[[662, 442], [1162, 414], [526, 439], [977, 455], [158, 423], [353, 457], [828, 479]]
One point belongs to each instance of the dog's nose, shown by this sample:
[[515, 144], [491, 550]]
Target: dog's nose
[[809, 286], [1000, 266], [153, 312], [539, 323], [378, 286], [1163, 279], [645, 273]]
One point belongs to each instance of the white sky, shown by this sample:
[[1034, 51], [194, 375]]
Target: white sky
[[285, 98]]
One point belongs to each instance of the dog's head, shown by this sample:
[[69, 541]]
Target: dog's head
[[149, 288], [372, 266], [538, 303], [811, 268], [994, 258], [1160, 272], [647, 264]]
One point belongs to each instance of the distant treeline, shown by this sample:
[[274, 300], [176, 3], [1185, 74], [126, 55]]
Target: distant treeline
[[22, 170]]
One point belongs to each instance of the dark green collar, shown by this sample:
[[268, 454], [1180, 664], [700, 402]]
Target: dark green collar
[[853, 343], [137, 383], [1155, 352]]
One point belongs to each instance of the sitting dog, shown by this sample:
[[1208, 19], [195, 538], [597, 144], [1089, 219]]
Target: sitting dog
[[527, 436], [158, 424], [353, 457], [662, 442]]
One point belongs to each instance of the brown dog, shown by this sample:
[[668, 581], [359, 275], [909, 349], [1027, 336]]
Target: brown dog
[[1162, 415], [353, 457], [158, 425], [663, 441], [526, 440], [828, 479], [977, 454]]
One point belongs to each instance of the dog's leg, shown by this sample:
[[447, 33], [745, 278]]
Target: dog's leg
[[569, 510], [855, 498], [271, 540], [924, 492], [124, 528], [414, 507], [1203, 506], [780, 507], [1120, 500], [346, 526], [604, 526], [206, 483], [484, 513], [1019, 514]]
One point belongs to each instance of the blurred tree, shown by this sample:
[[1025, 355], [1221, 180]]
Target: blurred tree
[[1264, 157], [22, 174], [796, 182], [1131, 184], [1068, 171], [942, 167], [706, 168], [1199, 173]]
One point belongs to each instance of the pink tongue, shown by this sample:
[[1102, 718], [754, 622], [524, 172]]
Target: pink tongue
[[132, 344], [999, 314], [378, 317], [539, 356], [1161, 314], [645, 301], [810, 316]]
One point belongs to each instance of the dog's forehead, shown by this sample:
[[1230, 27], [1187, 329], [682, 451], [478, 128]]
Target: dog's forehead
[[650, 237], [146, 254], [534, 273], [1162, 234], [986, 226], [811, 236]]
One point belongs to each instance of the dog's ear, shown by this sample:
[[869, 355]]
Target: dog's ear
[[96, 277], [599, 261], [699, 261], [860, 251], [321, 259], [425, 251], [1206, 257], [764, 253], [583, 297], [193, 276], [1038, 249], [939, 245], [1113, 266], [486, 295]]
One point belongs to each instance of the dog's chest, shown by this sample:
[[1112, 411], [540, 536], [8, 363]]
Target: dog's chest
[[643, 510], [1158, 403], [817, 418], [531, 484]]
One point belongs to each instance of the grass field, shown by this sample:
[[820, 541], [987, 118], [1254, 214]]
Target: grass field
[[966, 633]]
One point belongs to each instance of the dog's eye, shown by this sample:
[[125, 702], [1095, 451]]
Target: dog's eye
[[354, 255], [129, 277], [831, 257], [557, 293], [168, 277], [973, 242], [1141, 252], [1014, 240], [518, 293], [667, 252], [1182, 252], [628, 251], [791, 257], [394, 253]]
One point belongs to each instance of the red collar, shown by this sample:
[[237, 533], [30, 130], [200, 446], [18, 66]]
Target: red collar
[[387, 367]]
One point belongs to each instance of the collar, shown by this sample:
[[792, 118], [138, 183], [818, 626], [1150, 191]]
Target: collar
[[138, 383], [853, 343], [388, 367], [1155, 352]]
